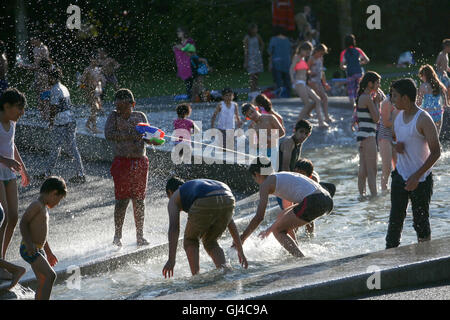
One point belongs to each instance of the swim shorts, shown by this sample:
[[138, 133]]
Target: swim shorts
[[208, 218], [313, 206], [130, 177], [30, 258]]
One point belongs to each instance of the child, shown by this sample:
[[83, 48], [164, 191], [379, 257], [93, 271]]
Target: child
[[418, 150], [264, 123], [12, 105], [108, 66], [199, 67], [280, 51], [42, 87], [432, 95], [317, 80], [183, 60], [311, 199], [265, 106], [34, 248], [368, 117], [92, 82], [184, 127], [228, 115], [351, 60], [210, 207], [65, 127], [130, 166], [385, 138], [253, 48], [15, 271], [291, 148], [442, 67], [299, 75]]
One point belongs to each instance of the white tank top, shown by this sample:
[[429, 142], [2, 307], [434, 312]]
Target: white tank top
[[7, 141], [416, 147], [293, 186], [226, 116]]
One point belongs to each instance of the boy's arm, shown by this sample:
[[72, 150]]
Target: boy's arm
[[238, 119], [31, 212], [426, 127], [51, 258], [216, 112], [260, 212], [237, 243], [174, 232]]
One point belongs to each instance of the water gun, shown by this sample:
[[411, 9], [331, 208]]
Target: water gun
[[150, 133]]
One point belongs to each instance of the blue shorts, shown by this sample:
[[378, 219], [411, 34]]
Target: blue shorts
[[30, 258]]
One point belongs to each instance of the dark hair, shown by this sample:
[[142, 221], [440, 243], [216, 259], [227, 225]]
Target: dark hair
[[124, 94], [256, 165], [250, 27], [279, 30], [406, 87], [173, 184], [430, 76], [321, 47], [184, 30], [445, 43], [245, 107], [12, 96], [350, 40], [56, 74], [261, 100], [183, 110], [370, 76], [226, 91], [330, 187], [54, 184], [306, 45], [303, 124], [306, 166]]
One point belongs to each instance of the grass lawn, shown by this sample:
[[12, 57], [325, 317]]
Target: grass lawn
[[163, 84]]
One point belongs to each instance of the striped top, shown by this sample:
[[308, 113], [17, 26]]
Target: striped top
[[366, 126]]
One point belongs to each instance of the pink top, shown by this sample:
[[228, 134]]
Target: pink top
[[183, 62], [183, 129]]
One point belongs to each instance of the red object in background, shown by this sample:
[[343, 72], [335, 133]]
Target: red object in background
[[283, 14], [269, 94]]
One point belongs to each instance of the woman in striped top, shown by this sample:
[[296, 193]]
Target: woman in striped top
[[367, 102]]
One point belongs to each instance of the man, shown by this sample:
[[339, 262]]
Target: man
[[210, 207], [418, 149]]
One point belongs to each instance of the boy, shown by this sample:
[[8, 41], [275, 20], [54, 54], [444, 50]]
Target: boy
[[418, 149], [291, 148], [210, 207], [34, 248], [15, 272], [65, 127], [311, 199], [442, 67], [92, 82], [268, 123], [130, 165]]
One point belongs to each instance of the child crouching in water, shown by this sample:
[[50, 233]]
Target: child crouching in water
[[34, 248]]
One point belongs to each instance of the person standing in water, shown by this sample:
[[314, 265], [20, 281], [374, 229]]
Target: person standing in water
[[442, 67], [253, 63], [210, 208], [418, 150]]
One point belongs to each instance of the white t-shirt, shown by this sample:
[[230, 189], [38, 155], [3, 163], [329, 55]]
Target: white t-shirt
[[60, 97]]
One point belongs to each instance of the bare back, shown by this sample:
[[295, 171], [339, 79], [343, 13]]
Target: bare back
[[38, 224]]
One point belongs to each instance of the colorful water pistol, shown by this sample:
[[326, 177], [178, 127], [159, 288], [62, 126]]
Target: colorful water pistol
[[150, 133]]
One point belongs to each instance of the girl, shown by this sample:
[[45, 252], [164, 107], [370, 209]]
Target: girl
[[183, 126], [351, 60], [265, 106], [442, 67], [386, 140], [12, 104], [253, 48], [183, 60], [367, 101], [299, 73], [432, 95], [318, 81]]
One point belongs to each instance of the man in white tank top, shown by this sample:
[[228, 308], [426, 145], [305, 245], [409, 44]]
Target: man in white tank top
[[311, 200], [418, 150]]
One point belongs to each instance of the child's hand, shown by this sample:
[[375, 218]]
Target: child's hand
[[327, 86], [52, 260], [25, 177], [242, 260], [12, 164], [168, 269]]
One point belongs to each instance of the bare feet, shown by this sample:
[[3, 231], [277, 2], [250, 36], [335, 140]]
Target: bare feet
[[117, 242], [142, 242], [16, 277]]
